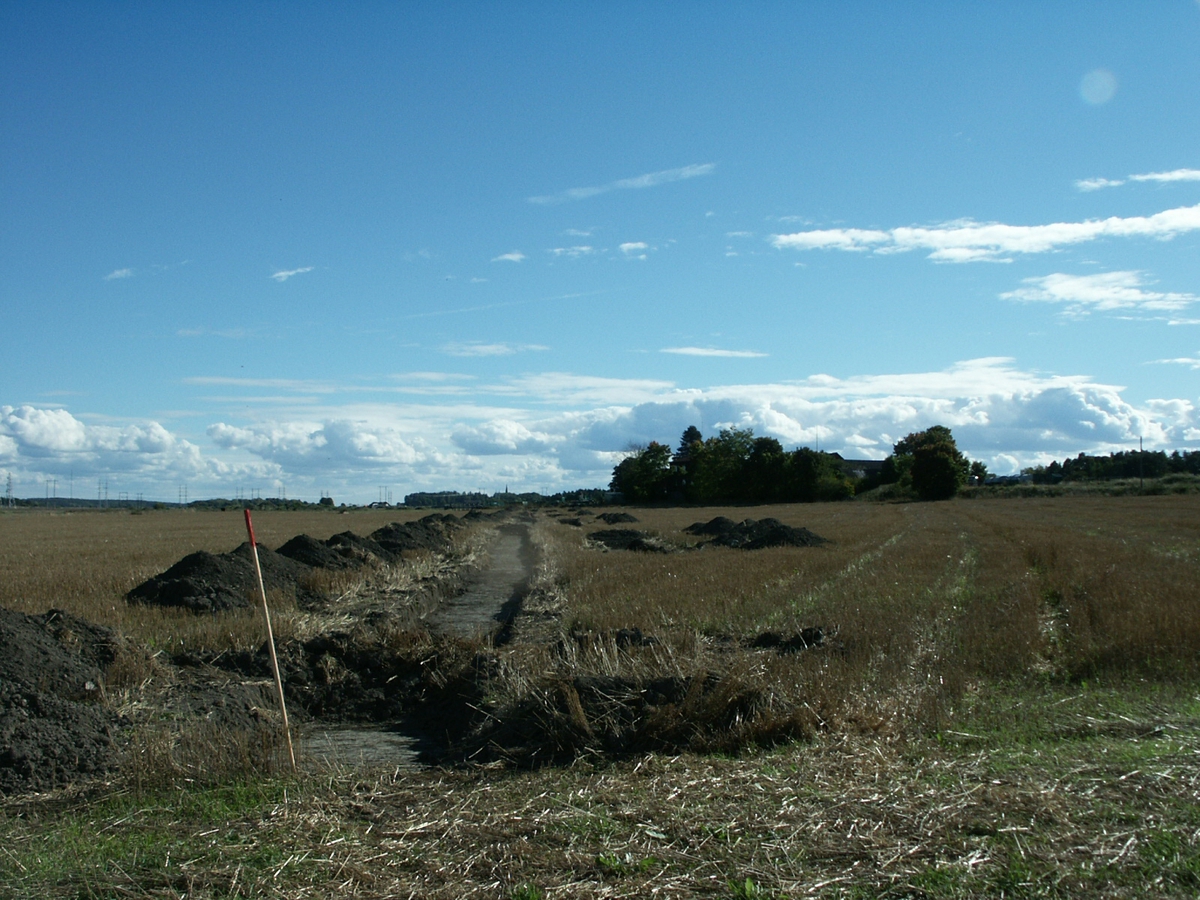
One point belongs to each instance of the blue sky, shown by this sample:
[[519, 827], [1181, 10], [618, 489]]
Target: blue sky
[[328, 248]]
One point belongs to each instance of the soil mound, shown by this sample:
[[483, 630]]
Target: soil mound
[[430, 533], [573, 522], [629, 539], [719, 525], [54, 727], [207, 582], [616, 518], [360, 550], [318, 554], [754, 535]]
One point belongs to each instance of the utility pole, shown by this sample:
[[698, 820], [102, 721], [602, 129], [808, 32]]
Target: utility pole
[[1141, 468]]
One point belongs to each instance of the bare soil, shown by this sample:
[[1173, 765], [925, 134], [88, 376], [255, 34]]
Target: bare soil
[[54, 726]]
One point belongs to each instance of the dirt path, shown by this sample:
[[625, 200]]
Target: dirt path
[[488, 605], [493, 597]]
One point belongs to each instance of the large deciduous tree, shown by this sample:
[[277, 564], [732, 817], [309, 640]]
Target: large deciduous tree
[[644, 475], [929, 461]]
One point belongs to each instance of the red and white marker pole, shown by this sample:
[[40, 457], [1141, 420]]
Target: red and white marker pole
[[262, 590]]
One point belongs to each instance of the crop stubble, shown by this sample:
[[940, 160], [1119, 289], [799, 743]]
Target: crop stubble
[[1006, 703]]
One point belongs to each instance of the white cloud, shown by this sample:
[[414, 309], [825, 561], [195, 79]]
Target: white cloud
[[478, 348], [553, 430], [968, 241], [1123, 290], [118, 273], [288, 273], [635, 249], [567, 389], [39, 443], [501, 436], [301, 446], [1095, 184], [1192, 362], [572, 252], [651, 179], [1164, 177], [516, 256], [713, 351]]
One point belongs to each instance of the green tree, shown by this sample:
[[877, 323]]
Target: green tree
[[811, 476], [719, 463], [929, 462], [763, 473], [644, 475]]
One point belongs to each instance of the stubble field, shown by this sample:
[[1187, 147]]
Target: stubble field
[[1000, 698]]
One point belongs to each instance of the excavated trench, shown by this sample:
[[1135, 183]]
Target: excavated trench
[[421, 734]]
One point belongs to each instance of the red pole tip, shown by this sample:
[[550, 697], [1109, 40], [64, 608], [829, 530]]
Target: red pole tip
[[250, 529]]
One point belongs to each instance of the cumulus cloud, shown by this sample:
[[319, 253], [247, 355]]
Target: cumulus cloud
[[37, 443], [651, 179], [572, 252], [478, 348], [302, 446], [118, 273], [284, 275], [1107, 291], [635, 249], [713, 351], [969, 241], [501, 436], [516, 256], [554, 430]]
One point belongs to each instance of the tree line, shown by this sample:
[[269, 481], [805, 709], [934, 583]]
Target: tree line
[[736, 467], [1125, 464]]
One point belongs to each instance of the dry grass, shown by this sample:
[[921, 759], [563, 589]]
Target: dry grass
[[921, 604], [1009, 708], [841, 817], [85, 561]]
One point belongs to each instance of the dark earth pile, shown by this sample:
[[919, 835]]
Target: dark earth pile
[[719, 525], [207, 582], [54, 725], [628, 539], [611, 518], [754, 534], [804, 639]]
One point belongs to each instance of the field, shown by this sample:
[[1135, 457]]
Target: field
[[970, 698]]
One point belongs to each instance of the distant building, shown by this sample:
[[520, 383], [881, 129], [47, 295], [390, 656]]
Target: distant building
[[449, 500], [858, 468]]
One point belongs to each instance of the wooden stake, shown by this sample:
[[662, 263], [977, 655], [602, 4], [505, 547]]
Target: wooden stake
[[262, 590]]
